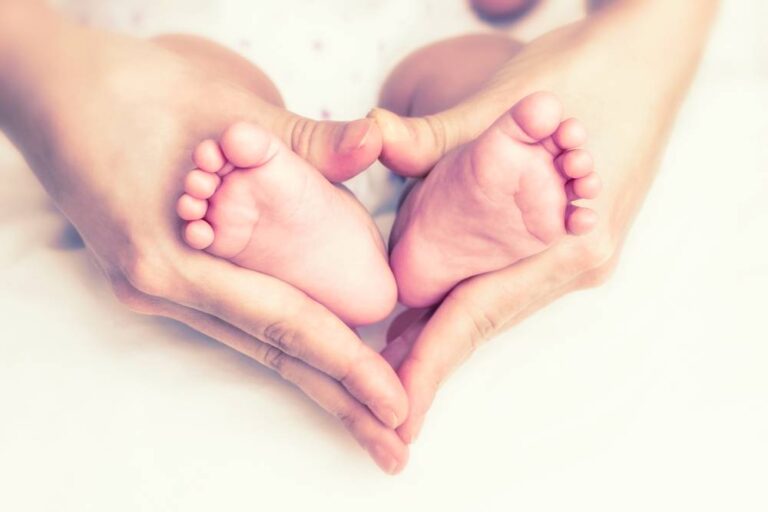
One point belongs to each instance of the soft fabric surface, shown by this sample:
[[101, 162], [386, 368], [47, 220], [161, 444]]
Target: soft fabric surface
[[646, 394]]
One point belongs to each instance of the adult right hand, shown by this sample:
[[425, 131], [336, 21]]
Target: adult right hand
[[108, 124]]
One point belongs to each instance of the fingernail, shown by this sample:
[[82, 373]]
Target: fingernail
[[354, 136], [388, 417], [385, 461], [391, 125], [408, 437], [410, 434]]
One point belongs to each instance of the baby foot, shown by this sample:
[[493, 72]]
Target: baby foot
[[253, 201], [494, 201]]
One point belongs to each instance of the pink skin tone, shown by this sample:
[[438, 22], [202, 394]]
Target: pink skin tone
[[587, 65], [496, 200], [255, 202], [71, 117], [70, 98]]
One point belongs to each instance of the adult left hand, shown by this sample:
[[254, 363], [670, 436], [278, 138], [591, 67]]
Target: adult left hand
[[578, 63], [426, 346]]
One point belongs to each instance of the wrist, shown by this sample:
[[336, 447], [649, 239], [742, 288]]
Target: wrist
[[29, 33], [20, 21], [35, 48]]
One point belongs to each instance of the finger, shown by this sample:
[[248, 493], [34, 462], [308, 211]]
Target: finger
[[399, 345], [275, 312], [402, 333], [475, 310], [381, 442], [398, 349]]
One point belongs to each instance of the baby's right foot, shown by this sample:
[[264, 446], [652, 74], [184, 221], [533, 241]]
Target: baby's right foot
[[256, 203]]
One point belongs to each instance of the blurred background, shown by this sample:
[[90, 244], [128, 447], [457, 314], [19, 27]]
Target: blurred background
[[650, 393]]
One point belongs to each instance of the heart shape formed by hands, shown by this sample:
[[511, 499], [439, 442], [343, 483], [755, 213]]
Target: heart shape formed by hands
[[480, 242]]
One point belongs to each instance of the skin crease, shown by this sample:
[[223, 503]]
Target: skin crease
[[276, 214], [571, 62], [578, 63], [71, 97], [516, 179]]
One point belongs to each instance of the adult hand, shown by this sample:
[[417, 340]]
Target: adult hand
[[627, 105], [108, 124]]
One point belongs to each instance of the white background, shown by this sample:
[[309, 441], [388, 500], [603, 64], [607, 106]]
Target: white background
[[650, 393]]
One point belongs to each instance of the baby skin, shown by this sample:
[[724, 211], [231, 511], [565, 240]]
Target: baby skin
[[253, 201], [494, 201]]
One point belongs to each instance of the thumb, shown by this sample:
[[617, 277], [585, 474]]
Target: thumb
[[411, 146], [339, 150]]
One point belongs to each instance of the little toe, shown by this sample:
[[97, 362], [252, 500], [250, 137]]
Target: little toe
[[580, 221], [208, 156], [191, 208], [199, 234], [576, 163], [538, 115], [570, 134], [201, 184], [587, 187], [248, 145]]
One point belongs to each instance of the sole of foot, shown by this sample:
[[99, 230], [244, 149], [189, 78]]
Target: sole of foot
[[502, 197], [254, 202]]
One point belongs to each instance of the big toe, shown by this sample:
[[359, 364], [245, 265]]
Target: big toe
[[538, 115], [339, 150], [248, 145]]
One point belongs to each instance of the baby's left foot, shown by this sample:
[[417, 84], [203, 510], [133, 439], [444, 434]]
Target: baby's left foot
[[503, 197]]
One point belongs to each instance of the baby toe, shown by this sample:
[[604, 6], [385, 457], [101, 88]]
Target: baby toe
[[248, 145], [576, 163], [587, 187], [580, 221], [191, 208], [570, 134], [199, 234], [208, 156], [538, 115], [201, 184]]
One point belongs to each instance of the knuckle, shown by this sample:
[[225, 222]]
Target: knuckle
[[147, 274], [277, 360], [599, 276], [284, 337], [301, 135], [482, 324], [440, 133], [596, 253], [129, 296], [596, 260], [348, 418]]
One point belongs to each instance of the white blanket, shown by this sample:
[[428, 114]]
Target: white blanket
[[650, 393]]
